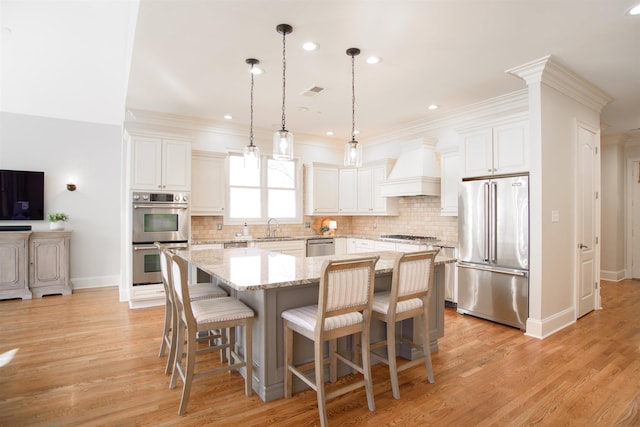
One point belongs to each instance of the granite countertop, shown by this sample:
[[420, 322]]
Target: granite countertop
[[247, 269], [285, 238]]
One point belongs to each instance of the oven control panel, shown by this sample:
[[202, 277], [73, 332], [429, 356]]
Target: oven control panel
[[160, 197]]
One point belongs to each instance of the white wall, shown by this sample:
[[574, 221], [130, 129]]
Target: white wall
[[90, 154], [612, 248]]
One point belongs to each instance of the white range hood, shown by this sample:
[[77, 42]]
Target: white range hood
[[416, 172]]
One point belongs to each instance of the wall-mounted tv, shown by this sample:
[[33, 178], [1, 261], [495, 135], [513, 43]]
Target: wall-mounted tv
[[21, 195]]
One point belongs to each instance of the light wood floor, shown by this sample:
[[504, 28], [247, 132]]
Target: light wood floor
[[87, 359]]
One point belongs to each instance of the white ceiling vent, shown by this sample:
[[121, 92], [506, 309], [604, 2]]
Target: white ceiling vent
[[312, 91]]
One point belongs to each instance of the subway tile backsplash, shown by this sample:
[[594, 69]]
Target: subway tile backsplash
[[418, 215]]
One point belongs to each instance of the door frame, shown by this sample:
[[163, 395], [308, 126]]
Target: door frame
[[629, 211], [597, 177]]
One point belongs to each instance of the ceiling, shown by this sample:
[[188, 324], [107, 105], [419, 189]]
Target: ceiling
[[187, 58]]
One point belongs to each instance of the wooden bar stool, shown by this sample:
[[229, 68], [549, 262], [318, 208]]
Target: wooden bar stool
[[409, 298], [343, 309], [226, 313], [197, 291]]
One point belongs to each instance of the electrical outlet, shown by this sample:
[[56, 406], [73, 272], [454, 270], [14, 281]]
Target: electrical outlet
[[219, 226], [307, 225]]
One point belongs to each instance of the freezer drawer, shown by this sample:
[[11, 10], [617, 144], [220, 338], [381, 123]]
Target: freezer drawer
[[494, 294]]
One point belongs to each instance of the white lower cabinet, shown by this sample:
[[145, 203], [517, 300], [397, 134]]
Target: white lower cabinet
[[14, 265], [289, 247]]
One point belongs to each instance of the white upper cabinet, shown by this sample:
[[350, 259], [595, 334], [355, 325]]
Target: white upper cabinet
[[320, 189], [450, 170], [497, 150], [160, 164], [370, 201], [348, 194], [208, 183]]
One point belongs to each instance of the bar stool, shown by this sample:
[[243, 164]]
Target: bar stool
[[409, 298], [225, 313], [197, 291], [343, 309]]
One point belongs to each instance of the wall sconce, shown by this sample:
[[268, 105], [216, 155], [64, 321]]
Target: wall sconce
[[71, 186]]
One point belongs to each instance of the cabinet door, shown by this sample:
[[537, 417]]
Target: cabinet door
[[146, 163], [14, 265], [510, 148], [365, 190], [450, 169], [348, 191], [176, 170], [321, 195], [380, 204], [207, 184], [478, 154]]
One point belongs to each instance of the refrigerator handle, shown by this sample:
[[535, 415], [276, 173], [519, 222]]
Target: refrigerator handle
[[493, 232], [487, 232]]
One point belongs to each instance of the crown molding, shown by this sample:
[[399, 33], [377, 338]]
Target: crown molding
[[549, 71], [470, 115]]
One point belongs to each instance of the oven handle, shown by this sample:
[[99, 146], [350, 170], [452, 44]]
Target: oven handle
[[174, 206], [154, 247]]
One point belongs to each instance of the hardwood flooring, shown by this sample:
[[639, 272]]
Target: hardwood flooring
[[86, 360]]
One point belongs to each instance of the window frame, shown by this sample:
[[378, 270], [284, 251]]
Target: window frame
[[264, 193]]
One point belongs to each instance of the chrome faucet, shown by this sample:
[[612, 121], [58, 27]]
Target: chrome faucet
[[269, 227]]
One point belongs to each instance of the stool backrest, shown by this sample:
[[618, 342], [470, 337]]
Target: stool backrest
[[346, 286], [182, 299], [412, 275]]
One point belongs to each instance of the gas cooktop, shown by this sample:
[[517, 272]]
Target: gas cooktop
[[408, 237]]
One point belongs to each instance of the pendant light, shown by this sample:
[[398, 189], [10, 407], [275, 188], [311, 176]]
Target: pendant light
[[251, 152], [353, 150], [283, 139]]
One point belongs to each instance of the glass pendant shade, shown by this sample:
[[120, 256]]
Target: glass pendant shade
[[251, 157], [283, 145], [353, 154]]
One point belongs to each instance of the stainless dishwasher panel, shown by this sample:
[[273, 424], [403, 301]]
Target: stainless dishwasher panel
[[320, 247]]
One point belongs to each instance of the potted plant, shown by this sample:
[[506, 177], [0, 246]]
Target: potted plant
[[57, 220], [324, 229]]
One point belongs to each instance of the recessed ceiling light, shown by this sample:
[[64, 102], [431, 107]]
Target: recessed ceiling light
[[373, 60], [228, 117], [310, 46], [303, 109], [356, 132], [635, 10], [433, 107], [329, 133]]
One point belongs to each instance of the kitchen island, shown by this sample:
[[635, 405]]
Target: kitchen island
[[271, 282]]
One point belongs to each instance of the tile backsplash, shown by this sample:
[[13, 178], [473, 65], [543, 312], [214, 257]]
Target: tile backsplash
[[418, 215]]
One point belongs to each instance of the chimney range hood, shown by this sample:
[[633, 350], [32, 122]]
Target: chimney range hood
[[415, 173]]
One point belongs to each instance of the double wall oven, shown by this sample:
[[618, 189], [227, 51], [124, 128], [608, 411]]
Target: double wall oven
[[156, 217]]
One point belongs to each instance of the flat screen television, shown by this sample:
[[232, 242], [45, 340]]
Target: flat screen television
[[21, 195]]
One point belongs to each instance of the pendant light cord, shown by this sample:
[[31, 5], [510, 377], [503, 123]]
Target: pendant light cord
[[251, 113], [284, 70], [353, 99]]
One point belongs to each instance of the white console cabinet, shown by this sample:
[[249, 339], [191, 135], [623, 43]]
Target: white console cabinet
[[34, 264]]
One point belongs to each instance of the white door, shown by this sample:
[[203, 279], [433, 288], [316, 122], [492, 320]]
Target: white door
[[586, 220], [635, 220]]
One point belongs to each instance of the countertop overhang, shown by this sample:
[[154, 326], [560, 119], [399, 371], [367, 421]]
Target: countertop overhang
[[250, 269]]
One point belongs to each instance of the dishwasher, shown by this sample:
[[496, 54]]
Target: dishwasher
[[321, 246]]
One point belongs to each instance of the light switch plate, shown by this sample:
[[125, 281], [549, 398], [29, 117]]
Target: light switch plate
[[555, 216]]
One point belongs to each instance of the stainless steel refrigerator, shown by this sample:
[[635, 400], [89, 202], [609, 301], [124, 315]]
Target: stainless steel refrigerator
[[493, 238]]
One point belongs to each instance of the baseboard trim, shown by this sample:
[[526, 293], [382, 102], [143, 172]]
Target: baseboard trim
[[542, 329], [613, 276], [95, 282]]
